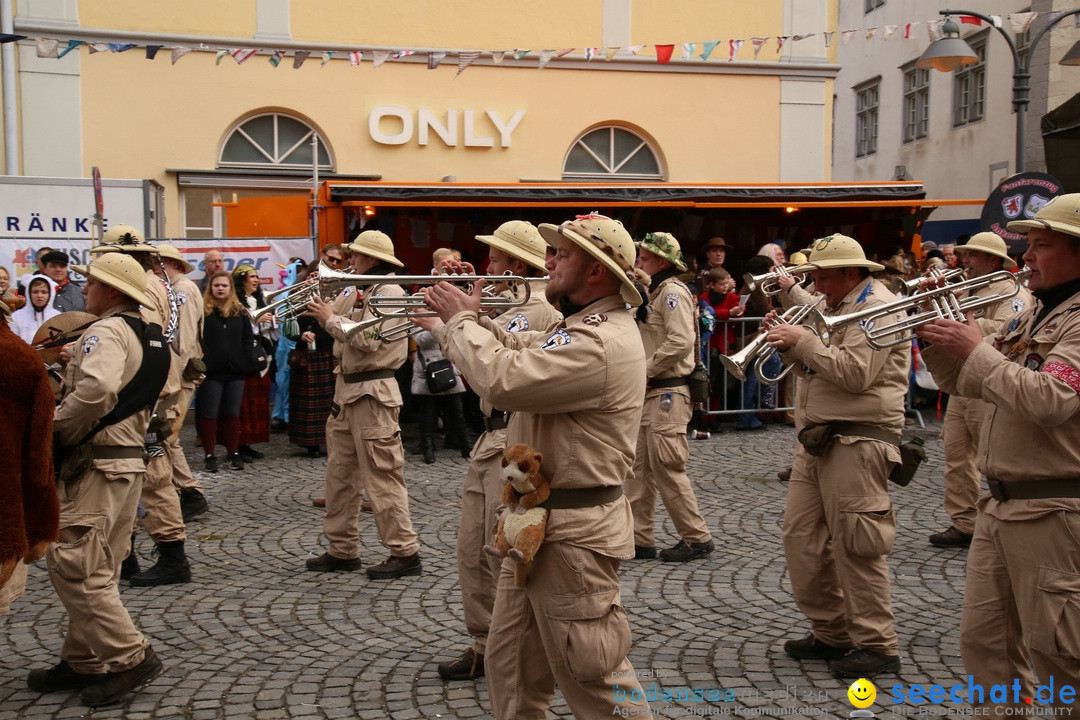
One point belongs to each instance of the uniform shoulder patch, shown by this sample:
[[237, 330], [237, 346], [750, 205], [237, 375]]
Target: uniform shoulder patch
[[347, 291], [89, 344], [181, 297], [671, 300], [1018, 305], [518, 323], [1013, 324], [594, 319], [558, 339]]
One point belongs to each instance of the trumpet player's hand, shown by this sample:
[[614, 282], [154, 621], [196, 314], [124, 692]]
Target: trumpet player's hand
[[454, 267], [786, 282], [319, 309], [426, 322], [448, 299], [785, 336], [956, 338]]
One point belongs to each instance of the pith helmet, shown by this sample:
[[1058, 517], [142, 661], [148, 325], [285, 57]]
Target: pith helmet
[[520, 240], [168, 251], [1061, 214], [604, 239], [666, 246], [840, 251], [119, 271], [125, 239], [991, 244], [375, 244]]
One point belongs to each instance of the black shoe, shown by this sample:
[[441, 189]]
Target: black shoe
[[467, 666], [641, 552], [864, 664], [236, 461], [395, 567], [130, 566], [279, 426], [118, 684], [314, 451], [192, 503], [249, 453], [810, 648], [211, 463], [172, 567], [784, 475], [684, 551], [328, 563], [951, 538], [60, 678]]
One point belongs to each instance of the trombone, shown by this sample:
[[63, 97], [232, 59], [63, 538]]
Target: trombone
[[768, 281], [942, 301], [758, 351]]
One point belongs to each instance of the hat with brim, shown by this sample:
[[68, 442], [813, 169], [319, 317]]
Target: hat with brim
[[170, 252], [125, 239], [520, 240], [374, 244], [1061, 214], [121, 272], [991, 244], [840, 251], [664, 245], [716, 242], [605, 240]]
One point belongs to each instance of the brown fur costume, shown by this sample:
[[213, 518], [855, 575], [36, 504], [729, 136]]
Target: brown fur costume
[[29, 508], [522, 527]]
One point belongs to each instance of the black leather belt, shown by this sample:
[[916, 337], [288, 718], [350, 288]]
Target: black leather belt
[[573, 498], [874, 432], [117, 452], [1033, 489], [667, 382], [368, 375], [498, 420]]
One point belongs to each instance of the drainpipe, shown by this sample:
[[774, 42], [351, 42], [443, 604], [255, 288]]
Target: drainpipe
[[11, 127]]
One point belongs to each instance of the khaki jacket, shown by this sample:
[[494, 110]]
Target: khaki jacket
[[190, 301], [160, 314], [668, 332], [993, 318], [364, 351], [576, 392], [1030, 374], [105, 357], [848, 379]]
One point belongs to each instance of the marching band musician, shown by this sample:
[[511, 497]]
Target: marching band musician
[[839, 523], [363, 439], [1020, 606], [983, 254]]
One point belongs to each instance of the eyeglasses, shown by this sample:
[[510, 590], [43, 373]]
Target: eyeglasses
[[332, 259]]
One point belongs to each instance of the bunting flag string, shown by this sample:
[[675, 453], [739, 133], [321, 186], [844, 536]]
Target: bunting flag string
[[498, 56], [610, 53], [545, 57], [663, 53], [327, 56], [434, 58], [380, 56], [71, 45], [178, 52], [151, 51], [733, 49], [356, 56], [299, 57], [758, 43], [276, 57], [687, 51], [706, 51], [242, 55], [466, 59]]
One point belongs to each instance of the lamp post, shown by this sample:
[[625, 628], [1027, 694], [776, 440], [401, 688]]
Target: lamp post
[[950, 52]]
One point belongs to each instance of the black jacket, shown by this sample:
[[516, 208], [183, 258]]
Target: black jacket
[[228, 345]]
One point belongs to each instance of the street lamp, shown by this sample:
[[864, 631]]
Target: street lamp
[[950, 52]]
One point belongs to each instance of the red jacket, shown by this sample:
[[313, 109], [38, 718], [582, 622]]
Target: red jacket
[[723, 337]]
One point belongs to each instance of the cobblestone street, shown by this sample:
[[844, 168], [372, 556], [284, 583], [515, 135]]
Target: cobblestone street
[[255, 636]]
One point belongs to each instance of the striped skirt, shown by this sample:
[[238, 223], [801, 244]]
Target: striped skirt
[[311, 391], [255, 410]]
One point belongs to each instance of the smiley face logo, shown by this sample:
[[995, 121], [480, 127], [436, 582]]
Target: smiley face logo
[[862, 693]]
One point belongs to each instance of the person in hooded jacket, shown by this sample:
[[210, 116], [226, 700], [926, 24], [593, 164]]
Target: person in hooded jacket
[[40, 291]]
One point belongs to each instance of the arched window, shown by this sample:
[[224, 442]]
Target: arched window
[[273, 139], [611, 153]]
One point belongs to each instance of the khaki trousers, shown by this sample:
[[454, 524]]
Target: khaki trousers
[[97, 514], [181, 471], [364, 441], [1021, 602], [481, 501], [163, 520], [570, 614], [838, 527], [660, 466], [960, 437]]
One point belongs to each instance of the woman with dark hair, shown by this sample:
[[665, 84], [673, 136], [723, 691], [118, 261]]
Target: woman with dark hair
[[311, 388], [255, 411]]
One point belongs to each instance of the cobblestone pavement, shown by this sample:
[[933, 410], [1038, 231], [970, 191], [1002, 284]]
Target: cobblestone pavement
[[254, 636]]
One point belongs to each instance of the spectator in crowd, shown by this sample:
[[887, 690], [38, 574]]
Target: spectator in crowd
[[255, 407], [67, 296], [774, 252], [39, 268], [5, 279], [311, 389], [948, 253], [291, 274], [213, 262], [40, 292], [715, 253]]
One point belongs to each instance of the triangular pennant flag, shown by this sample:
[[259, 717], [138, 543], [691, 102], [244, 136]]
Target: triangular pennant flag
[[151, 51], [545, 57], [780, 40], [870, 33], [1022, 21], [220, 54], [803, 36], [589, 52], [178, 52], [846, 35], [707, 49], [71, 45], [519, 54], [611, 52], [299, 57], [356, 56], [907, 30], [10, 37], [934, 31], [98, 47], [47, 47], [242, 55], [465, 59], [758, 43], [498, 56], [733, 49], [889, 30], [402, 53], [687, 51], [635, 49], [276, 57], [380, 57], [970, 20], [434, 58], [829, 38], [564, 51], [663, 53], [997, 20], [327, 56], [120, 47]]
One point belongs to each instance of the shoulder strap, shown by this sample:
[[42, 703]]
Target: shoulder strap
[[144, 387]]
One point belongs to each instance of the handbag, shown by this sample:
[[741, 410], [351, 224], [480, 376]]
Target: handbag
[[439, 374]]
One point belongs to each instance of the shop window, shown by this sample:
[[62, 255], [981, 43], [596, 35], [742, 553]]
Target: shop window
[[916, 103], [275, 140], [612, 153]]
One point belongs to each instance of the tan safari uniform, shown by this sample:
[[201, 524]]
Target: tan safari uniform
[[575, 394], [660, 462], [964, 416], [481, 496], [839, 522], [363, 439], [97, 512], [190, 301], [1023, 573]]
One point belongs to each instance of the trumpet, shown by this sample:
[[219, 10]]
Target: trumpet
[[768, 282], [908, 287], [943, 304], [758, 351]]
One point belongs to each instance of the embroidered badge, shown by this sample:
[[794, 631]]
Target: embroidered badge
[[867, 324], [558, 339], [1017, 305], [594, 319], [1013, 324], [1050, 328], [89, 344], [1065, 373], [864, 294], [1033, 361], [181, 297], [671, 300], [517, 324]]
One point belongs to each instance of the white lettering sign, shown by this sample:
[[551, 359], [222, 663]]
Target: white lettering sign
[[400, 122]]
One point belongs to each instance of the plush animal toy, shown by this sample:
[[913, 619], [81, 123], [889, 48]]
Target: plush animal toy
[[522, 527]]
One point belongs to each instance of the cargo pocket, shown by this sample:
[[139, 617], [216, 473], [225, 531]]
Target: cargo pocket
[[1059, 596], [593, 631], [80, 551], [384, 447], [867, 524], [669, 444]]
